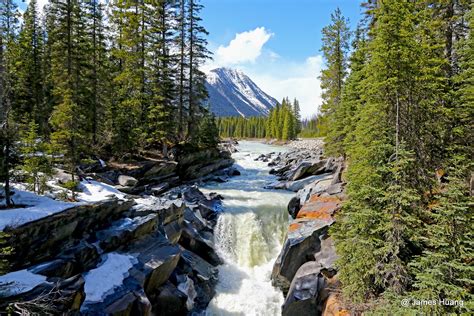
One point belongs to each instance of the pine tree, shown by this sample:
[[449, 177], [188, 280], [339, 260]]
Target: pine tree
[[335, 49], [35, 161], [198, 54], [67, 138], [8, 26], [130, 100], [28, 87], [208, 131]]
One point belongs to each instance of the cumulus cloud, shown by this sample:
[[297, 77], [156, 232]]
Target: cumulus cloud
[[244, 48], [298, 80]]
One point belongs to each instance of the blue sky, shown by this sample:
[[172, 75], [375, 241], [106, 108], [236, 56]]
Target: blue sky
[[275, 42]]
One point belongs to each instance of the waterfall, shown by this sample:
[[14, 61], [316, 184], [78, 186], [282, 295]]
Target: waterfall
[[248, 237]]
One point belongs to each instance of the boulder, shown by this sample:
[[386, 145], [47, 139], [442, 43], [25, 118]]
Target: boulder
[[297, 185], [130, 304], [197, 237], [163, 168], [126, 230], [304, 296], [169, 301], [294, 206], [157, 259], [127, 181], [305, 238]]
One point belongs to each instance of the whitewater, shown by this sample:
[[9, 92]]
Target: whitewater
[[248, 236]]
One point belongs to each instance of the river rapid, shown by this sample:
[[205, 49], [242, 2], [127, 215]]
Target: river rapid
[[248, 236]]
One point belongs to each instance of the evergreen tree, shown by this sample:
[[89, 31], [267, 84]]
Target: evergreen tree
[[29, 99], [198, 54], [8, 27], [335, 49], [35, 162], [208, 131]]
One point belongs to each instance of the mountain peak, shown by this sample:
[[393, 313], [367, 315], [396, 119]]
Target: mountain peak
[[233, 93]]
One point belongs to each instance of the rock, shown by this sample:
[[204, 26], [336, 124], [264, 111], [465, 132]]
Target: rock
[[305, 238], [126, 230], [307, 168], [163, 168], [294, 206], [321, 184], [64, 229], [304, 296], [203, 275], [127, 181], [198, 239], [297, 185], [62, 176], [333, 306], [130, 304], [157, 259], [62, 295], [170, 301]]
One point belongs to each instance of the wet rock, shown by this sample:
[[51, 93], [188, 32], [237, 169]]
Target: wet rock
[[294, 206], [127, 181], [203, 275], [157, 259], [297, 185], [197, 237], [130, 304]]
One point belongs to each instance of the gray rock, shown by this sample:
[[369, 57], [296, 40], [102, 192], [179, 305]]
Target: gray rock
[[298, 248], [127, 181], [304, 295]]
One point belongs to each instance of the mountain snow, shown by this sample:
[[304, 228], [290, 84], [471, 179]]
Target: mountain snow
[[233, 93]]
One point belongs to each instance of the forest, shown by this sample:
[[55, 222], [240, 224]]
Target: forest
[[80, 81], [282, 123], [399, 105]]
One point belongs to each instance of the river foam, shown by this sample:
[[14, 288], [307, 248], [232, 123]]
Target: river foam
[[248, 237]]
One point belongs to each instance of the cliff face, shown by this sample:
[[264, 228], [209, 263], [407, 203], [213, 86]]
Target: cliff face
[[305, 269]]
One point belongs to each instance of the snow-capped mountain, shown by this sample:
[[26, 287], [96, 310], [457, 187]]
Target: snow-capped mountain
[[233, 93]]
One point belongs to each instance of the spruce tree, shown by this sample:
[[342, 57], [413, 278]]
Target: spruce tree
[[35, 162]]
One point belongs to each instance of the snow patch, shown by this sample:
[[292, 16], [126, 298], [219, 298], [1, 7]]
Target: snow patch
[[101, 281], [94, 191], [18, 282], [37, 207]]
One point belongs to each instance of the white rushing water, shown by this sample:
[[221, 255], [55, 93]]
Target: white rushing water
[[248, 237]]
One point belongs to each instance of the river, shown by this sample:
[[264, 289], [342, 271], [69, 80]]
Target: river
[[248, 236]]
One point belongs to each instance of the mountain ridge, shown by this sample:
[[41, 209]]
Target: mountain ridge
[[233, 93]]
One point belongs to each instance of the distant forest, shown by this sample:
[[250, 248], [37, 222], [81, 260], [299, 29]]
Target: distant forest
[[283, 123]]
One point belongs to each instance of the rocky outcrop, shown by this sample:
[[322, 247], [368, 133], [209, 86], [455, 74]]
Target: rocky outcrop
[[305, 270], [148, 256]]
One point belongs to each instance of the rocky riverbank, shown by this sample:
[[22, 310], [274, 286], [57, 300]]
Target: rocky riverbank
[[148, 250], [305, 270]]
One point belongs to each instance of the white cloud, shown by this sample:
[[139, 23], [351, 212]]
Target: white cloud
[[292, 79], [245, 47]]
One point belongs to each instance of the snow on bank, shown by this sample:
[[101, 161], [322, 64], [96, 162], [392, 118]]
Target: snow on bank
[[18, 282], [37, 206], [95, 191], [108, 275]]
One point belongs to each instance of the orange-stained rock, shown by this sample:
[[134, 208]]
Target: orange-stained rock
[[319, 207], [333, 307]]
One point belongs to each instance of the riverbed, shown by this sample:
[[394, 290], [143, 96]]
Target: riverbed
[[248, 236]]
